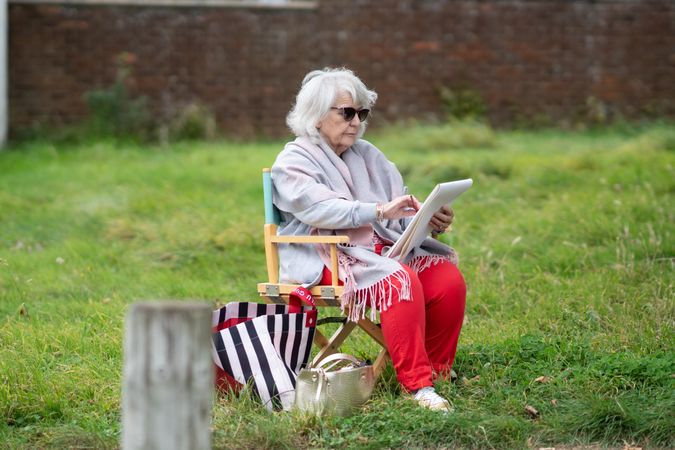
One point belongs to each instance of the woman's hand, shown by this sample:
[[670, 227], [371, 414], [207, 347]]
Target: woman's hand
[[404, 206], [442, 219]]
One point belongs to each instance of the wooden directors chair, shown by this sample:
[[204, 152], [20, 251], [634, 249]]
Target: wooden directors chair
[[274, 292]]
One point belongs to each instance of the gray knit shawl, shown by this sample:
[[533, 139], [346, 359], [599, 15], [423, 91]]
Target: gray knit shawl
[[305, 174]]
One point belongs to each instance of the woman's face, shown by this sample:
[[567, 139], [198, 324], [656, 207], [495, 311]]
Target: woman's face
[[339, 133]]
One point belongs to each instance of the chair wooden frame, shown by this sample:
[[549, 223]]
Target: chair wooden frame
[[273, 291]]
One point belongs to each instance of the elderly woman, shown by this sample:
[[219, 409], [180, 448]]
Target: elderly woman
[[330, 181]]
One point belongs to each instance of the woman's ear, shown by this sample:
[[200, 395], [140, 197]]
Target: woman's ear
[[318, 125]]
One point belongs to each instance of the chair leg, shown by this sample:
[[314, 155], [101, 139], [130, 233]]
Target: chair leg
[[375, 332], [380, 362], [319, 339], [335, 341], [372, 330]]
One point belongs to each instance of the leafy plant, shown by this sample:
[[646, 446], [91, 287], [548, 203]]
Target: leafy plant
[[462, 103], [114, 111], [195, 121]]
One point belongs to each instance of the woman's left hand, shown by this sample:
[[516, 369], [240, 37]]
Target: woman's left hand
[[442, 219]]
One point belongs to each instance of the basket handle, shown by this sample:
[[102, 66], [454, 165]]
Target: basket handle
[[335, 358]]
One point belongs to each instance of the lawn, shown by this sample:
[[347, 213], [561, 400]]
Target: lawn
[[565, 241]]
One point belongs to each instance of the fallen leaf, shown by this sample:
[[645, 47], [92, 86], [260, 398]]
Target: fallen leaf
[[23, 311], [554, 402], [105, 300], [60, 260], [167, 257], [516, 240], [467, 382], [532, 411], [542, 379]]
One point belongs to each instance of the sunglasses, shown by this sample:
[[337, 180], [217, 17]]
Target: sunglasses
[[348, 113]]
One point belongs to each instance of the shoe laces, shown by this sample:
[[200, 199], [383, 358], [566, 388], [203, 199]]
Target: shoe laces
[[428, 398]]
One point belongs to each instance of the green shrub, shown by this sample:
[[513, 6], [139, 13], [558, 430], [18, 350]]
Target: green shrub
[[462, 103], [597, 111], [114, 112], [195, 121]]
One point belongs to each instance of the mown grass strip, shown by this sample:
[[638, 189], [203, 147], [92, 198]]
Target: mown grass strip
[[565, 240]]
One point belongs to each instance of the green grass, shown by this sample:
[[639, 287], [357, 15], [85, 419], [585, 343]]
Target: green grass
[[565, 241]]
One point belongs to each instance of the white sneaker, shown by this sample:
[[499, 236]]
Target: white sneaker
[[428, 398]]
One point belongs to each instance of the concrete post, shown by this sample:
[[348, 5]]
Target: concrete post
[[167, 391]]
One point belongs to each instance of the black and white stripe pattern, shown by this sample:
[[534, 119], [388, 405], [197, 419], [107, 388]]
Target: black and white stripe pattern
[[270, 348]]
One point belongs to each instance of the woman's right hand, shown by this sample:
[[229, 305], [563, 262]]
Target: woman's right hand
[[403, 206]]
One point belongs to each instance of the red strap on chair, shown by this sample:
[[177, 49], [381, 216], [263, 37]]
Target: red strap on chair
[[296, 299]]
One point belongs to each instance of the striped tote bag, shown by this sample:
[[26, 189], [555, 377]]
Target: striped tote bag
[[264, 345]]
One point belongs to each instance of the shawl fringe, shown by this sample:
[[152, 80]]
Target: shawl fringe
[[421, 263], [354, 301]]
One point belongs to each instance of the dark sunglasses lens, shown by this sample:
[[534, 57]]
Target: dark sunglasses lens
[[363, 114], [348, 113]]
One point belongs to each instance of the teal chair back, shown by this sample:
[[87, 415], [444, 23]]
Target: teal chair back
[[272, 215]]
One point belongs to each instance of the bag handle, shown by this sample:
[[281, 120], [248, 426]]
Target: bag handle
[[335, 358], [299, 296]]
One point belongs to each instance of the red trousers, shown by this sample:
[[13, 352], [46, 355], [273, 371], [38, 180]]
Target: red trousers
[[422, 334]]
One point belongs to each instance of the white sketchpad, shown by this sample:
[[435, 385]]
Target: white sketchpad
[[419, 228]]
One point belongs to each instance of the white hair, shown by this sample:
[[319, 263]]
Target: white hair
[[318, 92]]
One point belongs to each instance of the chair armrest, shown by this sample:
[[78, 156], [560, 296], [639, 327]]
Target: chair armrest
[[272, 240], [309, 239]]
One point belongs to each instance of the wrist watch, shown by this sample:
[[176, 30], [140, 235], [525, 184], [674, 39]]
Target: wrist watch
[[379, 212]]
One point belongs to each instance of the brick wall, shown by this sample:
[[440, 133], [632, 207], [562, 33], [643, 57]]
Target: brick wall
[[526, 58]]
